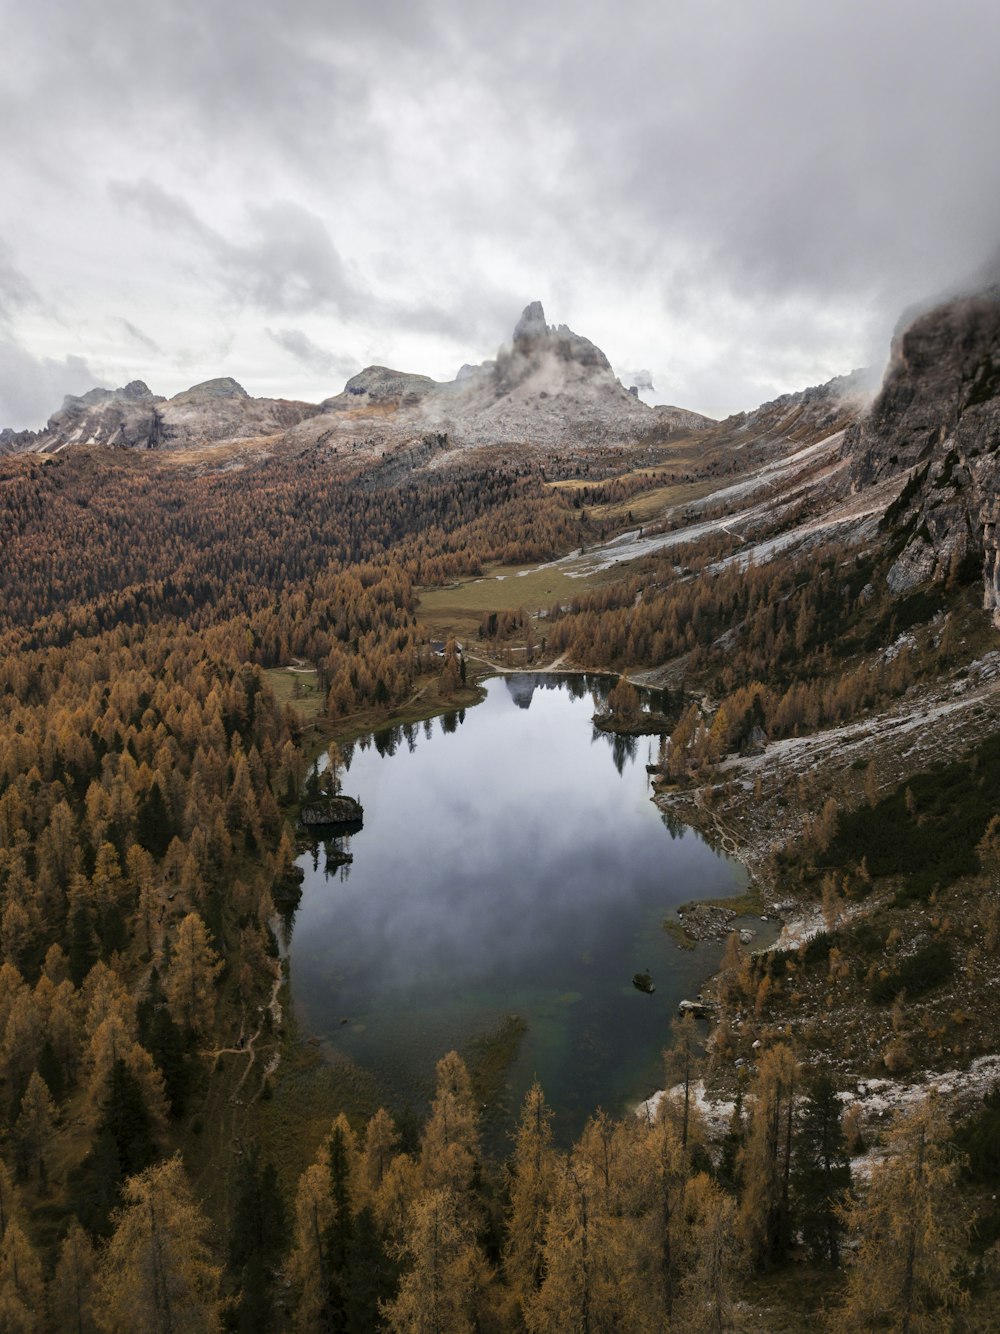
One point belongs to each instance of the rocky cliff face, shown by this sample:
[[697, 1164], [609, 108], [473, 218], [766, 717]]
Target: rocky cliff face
[[135, 418], [127, 417], [551, 386], [937, 419]]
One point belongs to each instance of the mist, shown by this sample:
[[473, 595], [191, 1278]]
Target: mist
[[741, 199]]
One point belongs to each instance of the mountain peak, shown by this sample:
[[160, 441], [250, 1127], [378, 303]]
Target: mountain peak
[[531, 325]]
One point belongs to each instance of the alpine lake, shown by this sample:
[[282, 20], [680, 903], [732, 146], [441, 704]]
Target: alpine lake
[[510, 879]]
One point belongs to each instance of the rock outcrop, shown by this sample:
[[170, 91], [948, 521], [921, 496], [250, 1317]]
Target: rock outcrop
[[127, 417], [937, 420], [135, 418], [551, 386]]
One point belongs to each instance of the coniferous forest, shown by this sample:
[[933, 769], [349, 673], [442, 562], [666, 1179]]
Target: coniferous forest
[[149, 784]]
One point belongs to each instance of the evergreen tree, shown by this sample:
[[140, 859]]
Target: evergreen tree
[[123, 1146], [153, 825], [257, 1236], [821, 1173]]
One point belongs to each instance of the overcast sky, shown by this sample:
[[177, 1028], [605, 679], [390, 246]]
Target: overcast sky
[[740, 197]]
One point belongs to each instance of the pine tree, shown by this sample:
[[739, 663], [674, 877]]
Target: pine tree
[[257, 1236], [155, 1274]]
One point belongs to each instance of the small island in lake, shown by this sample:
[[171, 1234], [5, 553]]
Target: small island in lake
[[332, 810]]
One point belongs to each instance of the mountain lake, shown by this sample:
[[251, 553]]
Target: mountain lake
[[511, 863]]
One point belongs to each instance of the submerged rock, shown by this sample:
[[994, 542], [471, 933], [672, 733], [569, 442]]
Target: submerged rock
[[643, 982]]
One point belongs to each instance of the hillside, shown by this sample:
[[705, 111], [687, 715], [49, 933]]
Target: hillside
[[199, 595]]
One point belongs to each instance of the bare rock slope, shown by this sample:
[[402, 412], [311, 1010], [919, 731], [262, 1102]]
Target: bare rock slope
[[937, 420], [551, 386], [135, 418]]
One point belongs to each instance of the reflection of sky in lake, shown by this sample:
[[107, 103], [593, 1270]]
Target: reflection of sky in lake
[[502, 864]]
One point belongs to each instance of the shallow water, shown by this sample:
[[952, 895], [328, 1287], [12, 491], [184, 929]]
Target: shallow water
[[511, 862]]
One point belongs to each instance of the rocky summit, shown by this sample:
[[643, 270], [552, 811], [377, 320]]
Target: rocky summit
[[550, 386], [135, 418]]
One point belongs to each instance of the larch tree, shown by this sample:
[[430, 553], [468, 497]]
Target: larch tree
[[190, 981], [766, 1158], [909, 1242], [381, 1143], [309, 1262], [449, 1148], [447, 1275], [586, 1283], [664, 1163], [533, 1175], [71, 1292], [22, 1290], [156, 1274], [20, 1045], [681, 1065], [35, 1128], [707, 1291]]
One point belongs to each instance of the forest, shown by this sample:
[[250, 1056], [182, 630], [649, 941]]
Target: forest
[[149, 783]]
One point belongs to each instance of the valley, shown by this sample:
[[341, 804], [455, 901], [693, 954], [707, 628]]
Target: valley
[[191, 619]]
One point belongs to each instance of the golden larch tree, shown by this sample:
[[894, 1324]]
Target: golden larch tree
[[155, 1273], [909, 1243], [190, 981]]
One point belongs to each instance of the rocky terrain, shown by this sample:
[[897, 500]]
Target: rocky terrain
[[937, 420], [550, 387], [135, 418]]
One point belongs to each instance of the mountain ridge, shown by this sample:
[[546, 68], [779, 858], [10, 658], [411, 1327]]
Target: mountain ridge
[[549, 386]]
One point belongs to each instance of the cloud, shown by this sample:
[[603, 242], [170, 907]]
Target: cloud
[[310, 354], [137, 336], [415, 171], [32, 388], [16, 290], [286, 262]]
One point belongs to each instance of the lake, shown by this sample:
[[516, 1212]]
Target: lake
[[511, 863]]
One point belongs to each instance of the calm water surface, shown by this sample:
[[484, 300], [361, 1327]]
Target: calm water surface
[[511, 862]]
